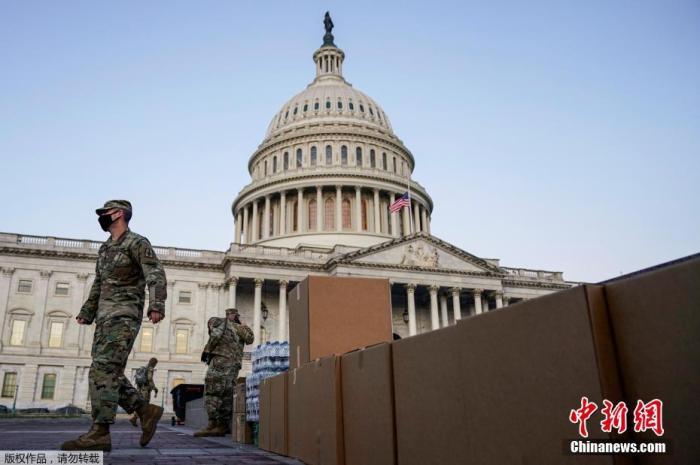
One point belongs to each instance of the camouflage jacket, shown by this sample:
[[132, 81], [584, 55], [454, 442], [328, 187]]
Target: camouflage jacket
[[227, 339], [124, 268]]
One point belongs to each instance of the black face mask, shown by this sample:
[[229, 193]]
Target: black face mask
[[105, 221]]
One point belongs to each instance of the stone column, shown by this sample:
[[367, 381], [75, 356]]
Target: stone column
[[443, 311], [410, 297], [477, 300], [257, 311], [456, 304], [434, 318], [338, 208], [406, 212], [26, 385], [377, 220], [394, 218], [319, 208], [283, 213], [237, 234], [5, 285], [506, 300], [416, 216], [300, 211], [161, 331], [427, 224], [499, 299], [246, 232], [266, 218], [282, 329], [232, 283], [358, 208], [65, 384], [256, 234], [34, 331], [424, 219]]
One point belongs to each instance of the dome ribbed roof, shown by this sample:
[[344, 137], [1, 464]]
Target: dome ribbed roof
[[329, 101], [329, 98]]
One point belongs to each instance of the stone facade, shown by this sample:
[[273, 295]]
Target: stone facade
[[318, 203]]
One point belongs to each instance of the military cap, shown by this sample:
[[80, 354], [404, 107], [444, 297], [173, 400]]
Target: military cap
[[110, 204], [232, 310]]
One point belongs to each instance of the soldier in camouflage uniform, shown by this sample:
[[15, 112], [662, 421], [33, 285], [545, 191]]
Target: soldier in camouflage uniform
[[146, 387], [126, 263], [224, 355]]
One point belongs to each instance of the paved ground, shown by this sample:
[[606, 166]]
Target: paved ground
[[170, 445]]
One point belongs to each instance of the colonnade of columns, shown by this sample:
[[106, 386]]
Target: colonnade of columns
[[439, 298], [257, 306], [327, 209], [439, 304]]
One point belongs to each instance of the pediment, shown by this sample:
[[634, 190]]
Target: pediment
[[420, 251]]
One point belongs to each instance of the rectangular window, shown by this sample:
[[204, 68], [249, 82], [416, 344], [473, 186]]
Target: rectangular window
[[147, 340], [8, 384], [49, 386], [181, 341], [55, 334], [62, 288], [185, 297], [24, 286], [17, 336]]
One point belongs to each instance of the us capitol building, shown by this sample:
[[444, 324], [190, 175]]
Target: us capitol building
[[318, 203]]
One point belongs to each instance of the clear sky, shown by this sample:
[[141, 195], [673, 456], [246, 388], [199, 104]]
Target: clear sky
[[554, 135]]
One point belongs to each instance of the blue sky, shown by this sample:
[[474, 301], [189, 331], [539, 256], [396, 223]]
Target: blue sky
[[555, 135]]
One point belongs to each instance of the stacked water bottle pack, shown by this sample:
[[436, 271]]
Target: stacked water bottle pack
[[268, 360]]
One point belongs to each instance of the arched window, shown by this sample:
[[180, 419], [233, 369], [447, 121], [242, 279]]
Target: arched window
[[297, 108], [343, 155], [340, 105], [350, 105], [286, 160], [347, 220], [299, 158], [295, 216], [312, 215], [394, 164], [329, 155], [306, 107], [265, 168], [370, 111], [274, 164], [316, 105], [372, 159], [358, 156], [313, 156], [362, 108], [329, 214], [328, 104], [384, 165], [365, 210]]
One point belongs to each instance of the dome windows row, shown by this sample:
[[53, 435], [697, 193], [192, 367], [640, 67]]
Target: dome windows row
[[285, 161], [359, 109]]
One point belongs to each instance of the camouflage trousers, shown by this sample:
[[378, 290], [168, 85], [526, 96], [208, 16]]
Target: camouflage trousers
[[218, 388], [108, 385]]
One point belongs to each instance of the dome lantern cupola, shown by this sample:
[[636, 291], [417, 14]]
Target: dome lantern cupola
[[329, 58]]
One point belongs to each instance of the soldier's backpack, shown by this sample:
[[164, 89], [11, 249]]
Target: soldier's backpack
[[141, 376]]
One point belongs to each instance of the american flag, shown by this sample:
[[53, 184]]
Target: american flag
[[403, 201]]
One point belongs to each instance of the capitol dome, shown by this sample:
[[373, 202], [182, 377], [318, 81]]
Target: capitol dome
[[328, 169], [329, 98]]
